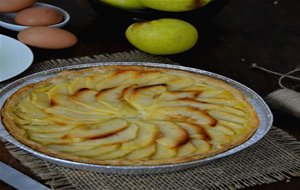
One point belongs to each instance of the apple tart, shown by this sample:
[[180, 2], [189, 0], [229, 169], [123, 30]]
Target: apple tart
[[129, 115]]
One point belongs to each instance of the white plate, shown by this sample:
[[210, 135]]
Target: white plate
[[7, 20], [15, 57]]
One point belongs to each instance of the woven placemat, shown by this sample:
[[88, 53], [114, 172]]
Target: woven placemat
[[275, 158]]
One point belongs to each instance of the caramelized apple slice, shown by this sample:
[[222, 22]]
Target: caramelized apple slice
[[77, 83], [142, 97], [40, 99], [188, 102], [27, 106], [163, 152], [171, 134], [49, 140], [70, 148], [186, 149], [181, 83], [143, 153], [168, 96], [62, 87], [162, 79], [218, 136], [111, 97], [128, 134], [120, 153], [216, 93], [117, 78], [201, 145], [48, 128], [195, 131], [99, 130], [77, 115], [199, 87], [87, 98], [146, 78], [146, 135], [182, 114], [27, 118], [95, 131], [94, 79], [97, 151], [221, 101], [123, 136], [63, 102], [220, 115], [225, 130], [234, 126]]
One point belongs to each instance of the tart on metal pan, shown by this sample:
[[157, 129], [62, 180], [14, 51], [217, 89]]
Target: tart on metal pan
[[129, 115]]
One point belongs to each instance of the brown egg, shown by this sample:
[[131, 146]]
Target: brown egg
[[9, 6], [38, 16], [47, 37]]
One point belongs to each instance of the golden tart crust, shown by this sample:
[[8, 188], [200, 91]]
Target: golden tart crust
[[129, 115]]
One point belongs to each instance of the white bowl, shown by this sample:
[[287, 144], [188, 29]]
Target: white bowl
[[15, 57], [7, 20]]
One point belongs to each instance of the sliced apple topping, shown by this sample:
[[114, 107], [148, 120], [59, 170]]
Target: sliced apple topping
[[218, 136], [120, 153], [27, 106], [99, 130], [163, 152], [73, 148], [182, 114], [51, 140], [74, 114], [147, 78], [174, 95], [99, 150], [130, 114], [216, 93], [78, 83], [60, 88], [29, 116], [143, 153], [142, 97], [201, 145], [48, 128], [116, 79], [220, 115], [171, 134], [196, 131], [40, 99], [224, 102], [234, 126], [146, 135], [87, 98], [111, 97], [180, 83], [199, 105], [123, 136], [186, 150], [162, 79]]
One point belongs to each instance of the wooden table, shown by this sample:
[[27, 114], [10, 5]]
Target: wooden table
[[266, 32]]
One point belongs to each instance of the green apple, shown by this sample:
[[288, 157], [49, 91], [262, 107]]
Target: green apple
[[125, 4], [174, 5], [162, 36]]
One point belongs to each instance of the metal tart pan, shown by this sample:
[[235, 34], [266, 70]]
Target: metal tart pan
[[263, 111]]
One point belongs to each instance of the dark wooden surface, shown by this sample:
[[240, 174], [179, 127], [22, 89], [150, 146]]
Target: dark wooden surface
[[266, 32]]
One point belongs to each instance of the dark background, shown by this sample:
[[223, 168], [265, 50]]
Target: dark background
[[265, 32]]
